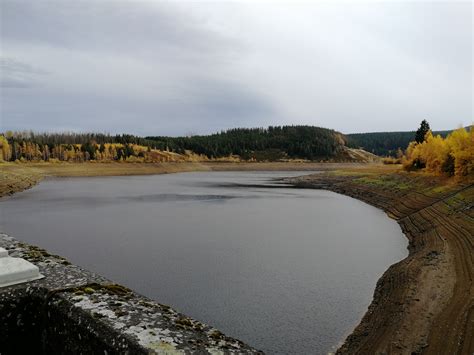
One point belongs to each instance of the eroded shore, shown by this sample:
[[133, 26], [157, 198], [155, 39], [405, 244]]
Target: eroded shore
[[423, 304]]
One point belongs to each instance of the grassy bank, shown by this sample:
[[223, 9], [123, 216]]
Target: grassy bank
[[425, 303]]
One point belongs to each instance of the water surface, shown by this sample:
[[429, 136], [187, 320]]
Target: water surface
[[285, 270]]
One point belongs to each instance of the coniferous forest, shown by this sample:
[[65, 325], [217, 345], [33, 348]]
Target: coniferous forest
[[385, 143], [305, 142]]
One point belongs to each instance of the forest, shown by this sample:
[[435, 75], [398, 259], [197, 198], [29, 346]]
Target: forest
[[272, 143], [385, 143], [78, 147], [304, 142]]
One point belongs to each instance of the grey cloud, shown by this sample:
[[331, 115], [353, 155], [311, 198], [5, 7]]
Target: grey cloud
[[17, 74], [435, 32], [172, 67], [206, 112], [159, 30]]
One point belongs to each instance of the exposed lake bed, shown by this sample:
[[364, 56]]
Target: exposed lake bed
[[284, 270]]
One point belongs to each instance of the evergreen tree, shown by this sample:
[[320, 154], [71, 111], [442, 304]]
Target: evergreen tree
[[128, 151], [90, 149], [421, 132], [120, 153]]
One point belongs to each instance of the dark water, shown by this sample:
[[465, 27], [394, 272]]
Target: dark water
[[285, 270]]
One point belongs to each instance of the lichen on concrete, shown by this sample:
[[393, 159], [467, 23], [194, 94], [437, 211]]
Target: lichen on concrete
[[74, 310]]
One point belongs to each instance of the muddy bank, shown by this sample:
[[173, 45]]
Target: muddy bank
[[16, 177], [425, 303]]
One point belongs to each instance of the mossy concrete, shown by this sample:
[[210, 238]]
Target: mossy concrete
[[74, 311]]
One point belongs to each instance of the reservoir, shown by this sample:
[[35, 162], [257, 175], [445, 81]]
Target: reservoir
[[285, 270]]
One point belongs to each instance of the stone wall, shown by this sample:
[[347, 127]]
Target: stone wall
[[74, 311]]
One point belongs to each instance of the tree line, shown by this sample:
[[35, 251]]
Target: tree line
[[450, 153], [385, 143], [274, 142], [77, 147]]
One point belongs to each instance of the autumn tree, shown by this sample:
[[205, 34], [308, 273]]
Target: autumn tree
[[5, 149], [461, 145], [453, 155]]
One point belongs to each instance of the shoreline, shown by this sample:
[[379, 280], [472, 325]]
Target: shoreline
[[422, 304], [16, 177]]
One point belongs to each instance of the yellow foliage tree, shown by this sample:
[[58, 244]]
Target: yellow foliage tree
[[435, 152], [5, 149], [452, 155], [461, 145]]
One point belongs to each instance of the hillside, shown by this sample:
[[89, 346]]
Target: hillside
[[272, 143], [384, 143]]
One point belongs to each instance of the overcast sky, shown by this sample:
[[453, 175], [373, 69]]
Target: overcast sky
[[174, 68]]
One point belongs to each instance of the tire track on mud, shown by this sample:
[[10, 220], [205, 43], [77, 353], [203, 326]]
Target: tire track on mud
[[423, 304]]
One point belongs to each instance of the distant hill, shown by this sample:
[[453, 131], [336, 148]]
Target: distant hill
[[384, 143], [272, 143]]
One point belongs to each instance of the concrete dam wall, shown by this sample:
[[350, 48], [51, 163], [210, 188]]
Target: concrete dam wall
[[72, 310]]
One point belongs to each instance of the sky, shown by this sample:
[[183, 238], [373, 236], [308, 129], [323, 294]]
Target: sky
[[188, 67]]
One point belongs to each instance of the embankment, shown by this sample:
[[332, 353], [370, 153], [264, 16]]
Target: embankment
[[425, 303]]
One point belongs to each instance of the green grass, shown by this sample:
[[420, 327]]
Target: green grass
[[346, 173], [383, 182]]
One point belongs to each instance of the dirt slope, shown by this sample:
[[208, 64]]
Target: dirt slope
[[425, 303]]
